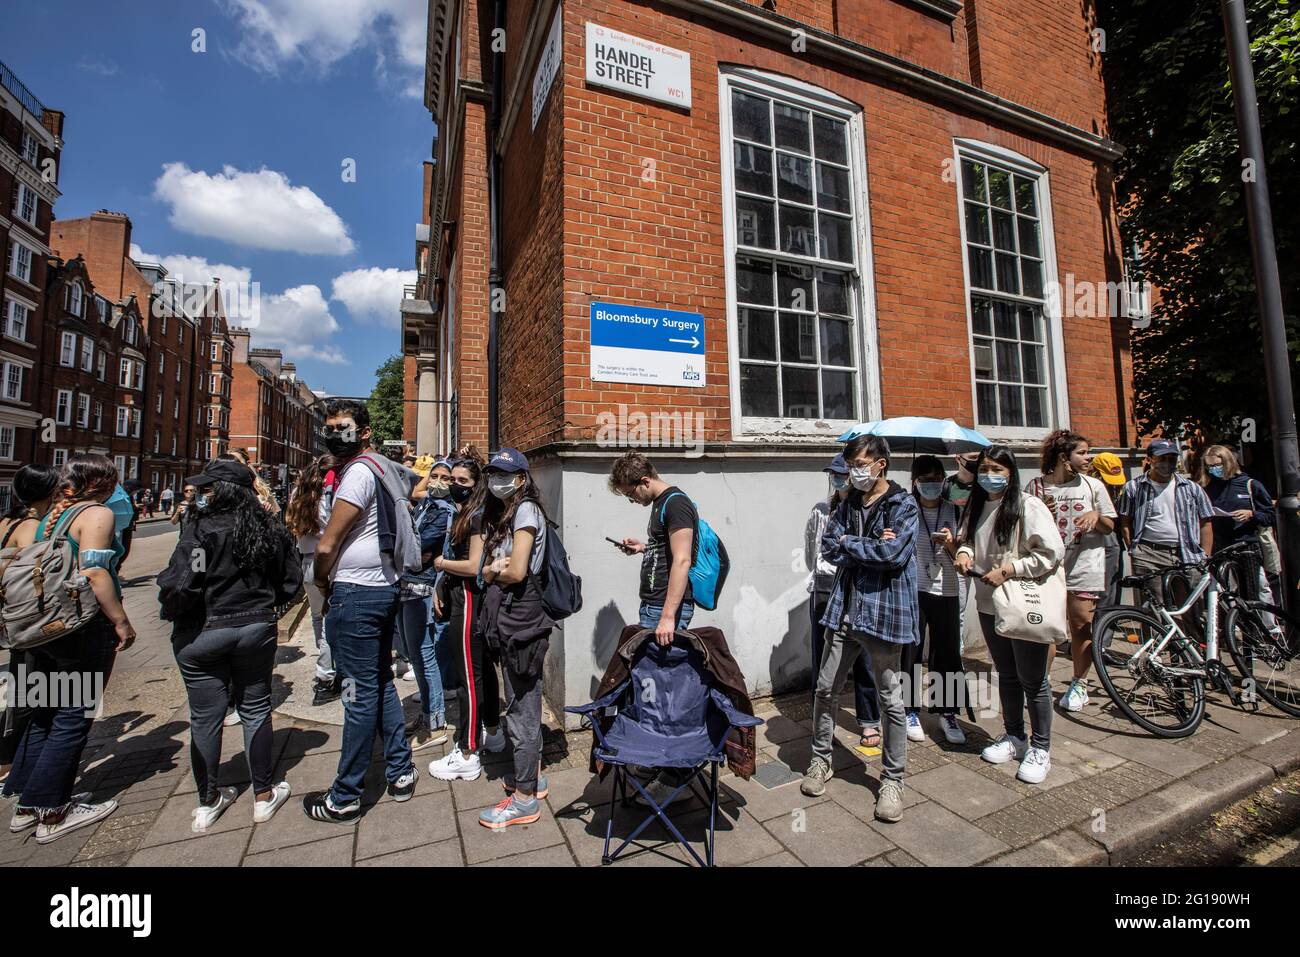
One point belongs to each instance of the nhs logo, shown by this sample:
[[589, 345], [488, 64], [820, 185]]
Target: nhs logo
[[689, 374]]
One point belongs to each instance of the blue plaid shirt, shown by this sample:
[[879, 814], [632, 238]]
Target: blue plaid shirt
[[1191, 507], [875, 580]]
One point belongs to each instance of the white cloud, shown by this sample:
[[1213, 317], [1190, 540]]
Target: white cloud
[[373, 295], [298, 321], [98, 64], [319, 33], [194, 269], [259, 209]]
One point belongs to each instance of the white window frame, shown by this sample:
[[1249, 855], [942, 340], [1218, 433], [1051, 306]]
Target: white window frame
[[14, 327], [27, 198], [101, 365], [60, 458], [178, 369], [6, 385], [8, 436], [83, 410], [63, 407], [162, 363], [15, 266], [136, 417], [865, 340], [68, 350], [123, 425], [157, 406], [176, 407], [1058, 401], [119, 462], [30, 148], [87, 354], [99, 416], [76, 299]]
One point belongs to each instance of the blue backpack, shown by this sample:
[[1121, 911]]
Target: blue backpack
[[709, 564]]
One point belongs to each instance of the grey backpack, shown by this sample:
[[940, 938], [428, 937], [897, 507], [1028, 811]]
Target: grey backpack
[[397, 534], [43, 594]]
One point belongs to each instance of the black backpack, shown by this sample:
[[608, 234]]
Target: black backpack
[[561, 590]]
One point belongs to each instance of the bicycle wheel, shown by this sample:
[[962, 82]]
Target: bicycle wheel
[[1142, 686], [1268, 661]]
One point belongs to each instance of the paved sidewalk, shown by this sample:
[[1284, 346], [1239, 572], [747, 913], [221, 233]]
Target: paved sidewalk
[[1111, 793]]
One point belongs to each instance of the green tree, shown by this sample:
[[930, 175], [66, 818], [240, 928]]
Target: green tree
[[385, 402], [1199, 364]]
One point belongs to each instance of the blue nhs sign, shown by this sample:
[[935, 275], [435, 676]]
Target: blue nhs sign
[[641, 344]]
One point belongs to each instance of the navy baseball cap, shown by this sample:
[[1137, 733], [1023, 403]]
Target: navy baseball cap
[[444, 462], [1159, 447], [838, 466], [222, 470], [508, 460]]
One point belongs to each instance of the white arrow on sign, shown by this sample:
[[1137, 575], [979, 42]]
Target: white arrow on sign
[[693, 342]]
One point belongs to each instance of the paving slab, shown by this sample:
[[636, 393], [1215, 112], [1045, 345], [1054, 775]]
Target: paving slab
[[332, 852], [391, 826], [174, 821], [934, 836], [784, 859], [444, 854], [826, 835], [962, 791], [483, 844], [556, 856], [215, 850], [762, 803], [1159, 753], [1063, 849], [1281, 754]]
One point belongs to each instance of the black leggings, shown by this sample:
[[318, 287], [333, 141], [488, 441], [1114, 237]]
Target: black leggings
[[481, 701], [1022, 668], [942, 616]]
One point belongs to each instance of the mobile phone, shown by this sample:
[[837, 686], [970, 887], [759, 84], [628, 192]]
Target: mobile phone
[[613, 541], [936, 537]]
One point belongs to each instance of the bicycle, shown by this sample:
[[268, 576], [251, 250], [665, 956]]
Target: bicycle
[[1156, 673]]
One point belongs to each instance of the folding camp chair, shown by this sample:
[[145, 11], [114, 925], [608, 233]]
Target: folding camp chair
[[666, 714]]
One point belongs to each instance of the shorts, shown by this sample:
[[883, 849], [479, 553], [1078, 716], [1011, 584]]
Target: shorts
[[1089, 595]]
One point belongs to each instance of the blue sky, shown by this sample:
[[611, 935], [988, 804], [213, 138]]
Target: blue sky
[[230, 161]]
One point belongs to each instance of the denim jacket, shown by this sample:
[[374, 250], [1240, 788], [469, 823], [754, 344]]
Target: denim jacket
[[875, 580]]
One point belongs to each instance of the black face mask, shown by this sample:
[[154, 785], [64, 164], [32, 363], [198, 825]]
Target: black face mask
[[340, 447], [460, 493]]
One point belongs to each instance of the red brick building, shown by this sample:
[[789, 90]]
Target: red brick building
[[754, 228], [31, 146], [275, 418]]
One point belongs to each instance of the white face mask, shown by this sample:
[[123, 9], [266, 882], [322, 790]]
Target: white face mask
[[502, 486], [862, 478]]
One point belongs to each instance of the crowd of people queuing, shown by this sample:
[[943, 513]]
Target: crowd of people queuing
[[428, 569]]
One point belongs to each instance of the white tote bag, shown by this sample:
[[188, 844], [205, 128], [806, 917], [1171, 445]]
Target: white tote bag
[[1031, 609]]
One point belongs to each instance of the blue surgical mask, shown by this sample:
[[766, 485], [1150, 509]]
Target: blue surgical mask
[[929, 490], [839, 482], [200, 502], [1216, 471], [992, 483]]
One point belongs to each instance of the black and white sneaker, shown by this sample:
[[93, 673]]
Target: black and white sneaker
[[76, 817], [403, 789], [323, 692], [319, 807]]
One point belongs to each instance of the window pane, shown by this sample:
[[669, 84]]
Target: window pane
[[753, 280], [1010, 399], [983, 359], [836, 237], [797, 234], [1004, 230], [755, 223], [981, 268], [749, 118], [798, 338], [1036, 408], [1031, 355], [1008, 361], [791, 128], [837, 395], [794, 287], [981, 312], [833, 188], [753, 169], [1026, 201], [1029, 237], [986, 403], [972, 178], [1004, 319], [799, 392], [1000, 188], [1008, 274], [794, 178], [758, 390], [828, 137], [833, 292], [1032, 271], [1031, 329], [837, 342], [977, 224], [757, 333]]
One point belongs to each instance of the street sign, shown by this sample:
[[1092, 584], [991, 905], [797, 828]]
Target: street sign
[[548, 65], [630, 64], [644, 345]]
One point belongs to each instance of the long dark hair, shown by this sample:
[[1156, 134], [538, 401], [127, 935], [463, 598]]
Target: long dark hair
[[460, 528], [1009, 508], [302, 517], [258, 535], [1058, 445], [499, 515], [85, 477], [32, 484]]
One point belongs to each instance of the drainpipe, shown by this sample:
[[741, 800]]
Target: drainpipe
[[495, 279]]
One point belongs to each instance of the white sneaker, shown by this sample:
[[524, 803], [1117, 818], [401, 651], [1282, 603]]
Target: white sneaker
[[951, 729], [263, 810], [78, 816], [1004, 749], [494, 742], [25, 817], [205, 817], [232, 719], [914, 730], [1034, 768], [1075, 697], [456, 766]]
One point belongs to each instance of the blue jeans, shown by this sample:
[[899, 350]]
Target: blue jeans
[[359, 626], [421, 652], [49, 752], [650, 614]]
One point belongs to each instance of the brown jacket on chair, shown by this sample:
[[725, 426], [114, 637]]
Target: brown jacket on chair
[[712, 645]]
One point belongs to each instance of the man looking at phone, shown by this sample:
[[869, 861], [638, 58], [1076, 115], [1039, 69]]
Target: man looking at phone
[[666, 601]]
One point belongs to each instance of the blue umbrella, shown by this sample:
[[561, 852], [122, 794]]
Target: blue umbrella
[[918, 434]]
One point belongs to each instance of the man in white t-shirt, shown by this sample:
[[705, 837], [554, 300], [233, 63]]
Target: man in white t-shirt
[[357, 574], [1084, 516]]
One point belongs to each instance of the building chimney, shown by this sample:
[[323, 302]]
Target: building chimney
[[239, 342]]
